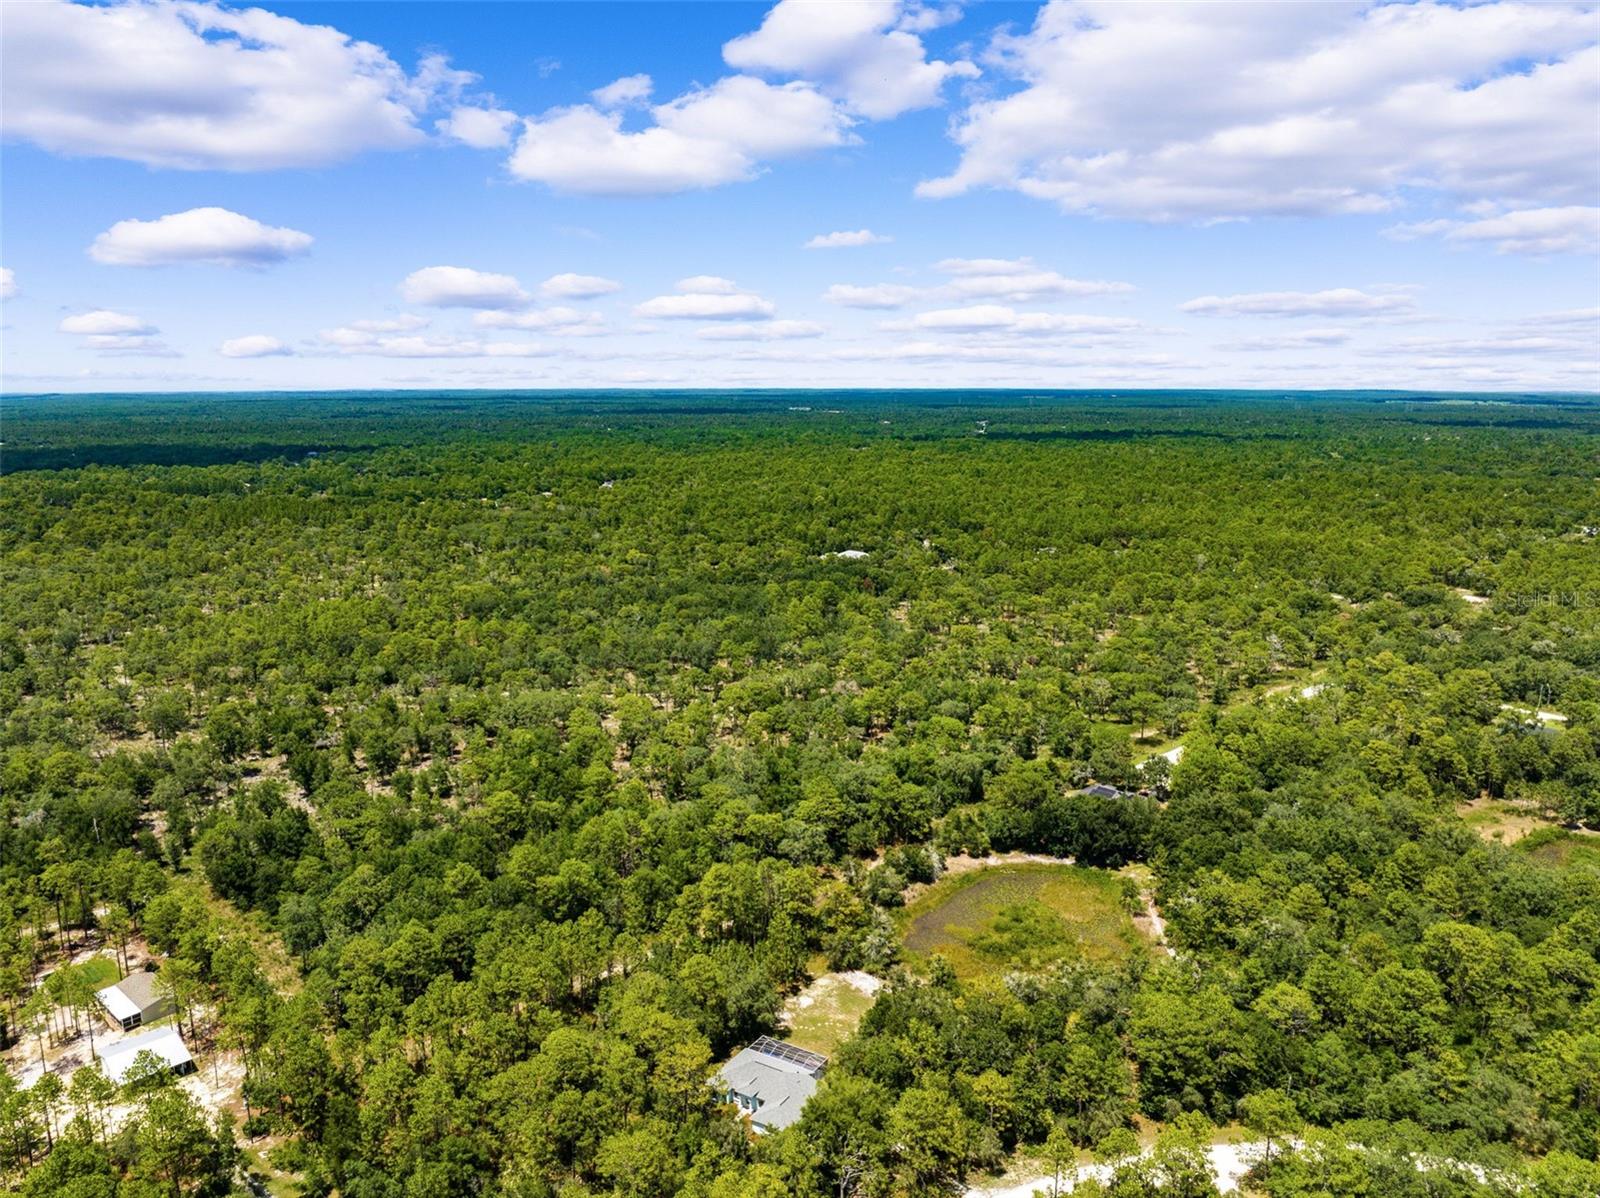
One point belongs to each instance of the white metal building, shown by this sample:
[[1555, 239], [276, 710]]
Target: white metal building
[[164, 1042]]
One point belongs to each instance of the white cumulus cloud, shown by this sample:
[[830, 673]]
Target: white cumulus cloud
[[119, 346], [1305, 339], [845, 240], [8, 283], [585, 150], [256, 345], [707, 297], [196, 86], [867, 53], [708, 285], [213, 235], [1573, 229], [117, 334], [843, 63], [630, 89], [1015, 280], [1287, 109], [346, 337], [404, 323], [103, 322], [461, 287], [479, 127], [1496, 345], [1336, 301], [703, 138], [572, 286], [1580, 318]]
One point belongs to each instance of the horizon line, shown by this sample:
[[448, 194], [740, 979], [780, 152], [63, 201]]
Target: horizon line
[[1109, 392]]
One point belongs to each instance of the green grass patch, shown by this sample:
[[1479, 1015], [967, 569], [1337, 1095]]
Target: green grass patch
[[1490, 816], [1152, 747], [1020, 917], [1560, 849], [101, 972]]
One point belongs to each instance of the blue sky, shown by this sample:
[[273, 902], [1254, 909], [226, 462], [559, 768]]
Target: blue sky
[[1075, 194]]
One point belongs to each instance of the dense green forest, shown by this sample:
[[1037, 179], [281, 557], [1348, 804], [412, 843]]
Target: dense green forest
[[483, 770]]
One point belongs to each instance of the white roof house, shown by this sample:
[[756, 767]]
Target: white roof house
[[164, 1042], [117, 1004], [134, 1000], [771, 1081]]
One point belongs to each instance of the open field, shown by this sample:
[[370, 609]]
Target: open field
[[1497, 819], [1024, 916], [826, 1013]]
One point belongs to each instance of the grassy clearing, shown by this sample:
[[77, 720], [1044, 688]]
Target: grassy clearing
[[1155, 745], [1496, 819], [101, 971], [1560, 849], [1015, 917], [826, 1013]]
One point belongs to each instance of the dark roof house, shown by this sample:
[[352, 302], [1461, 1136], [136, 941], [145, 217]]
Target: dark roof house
[[1101, 791]]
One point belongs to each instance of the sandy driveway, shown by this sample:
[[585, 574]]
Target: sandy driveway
[[1229, 1162]]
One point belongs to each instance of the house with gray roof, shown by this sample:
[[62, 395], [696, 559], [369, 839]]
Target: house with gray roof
[[134, 1001], [1101, 791], [770, 1081]]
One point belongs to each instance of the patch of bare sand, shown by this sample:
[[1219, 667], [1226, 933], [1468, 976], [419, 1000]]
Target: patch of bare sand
[[1500, 821], [827, 1012], [857, 979]]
